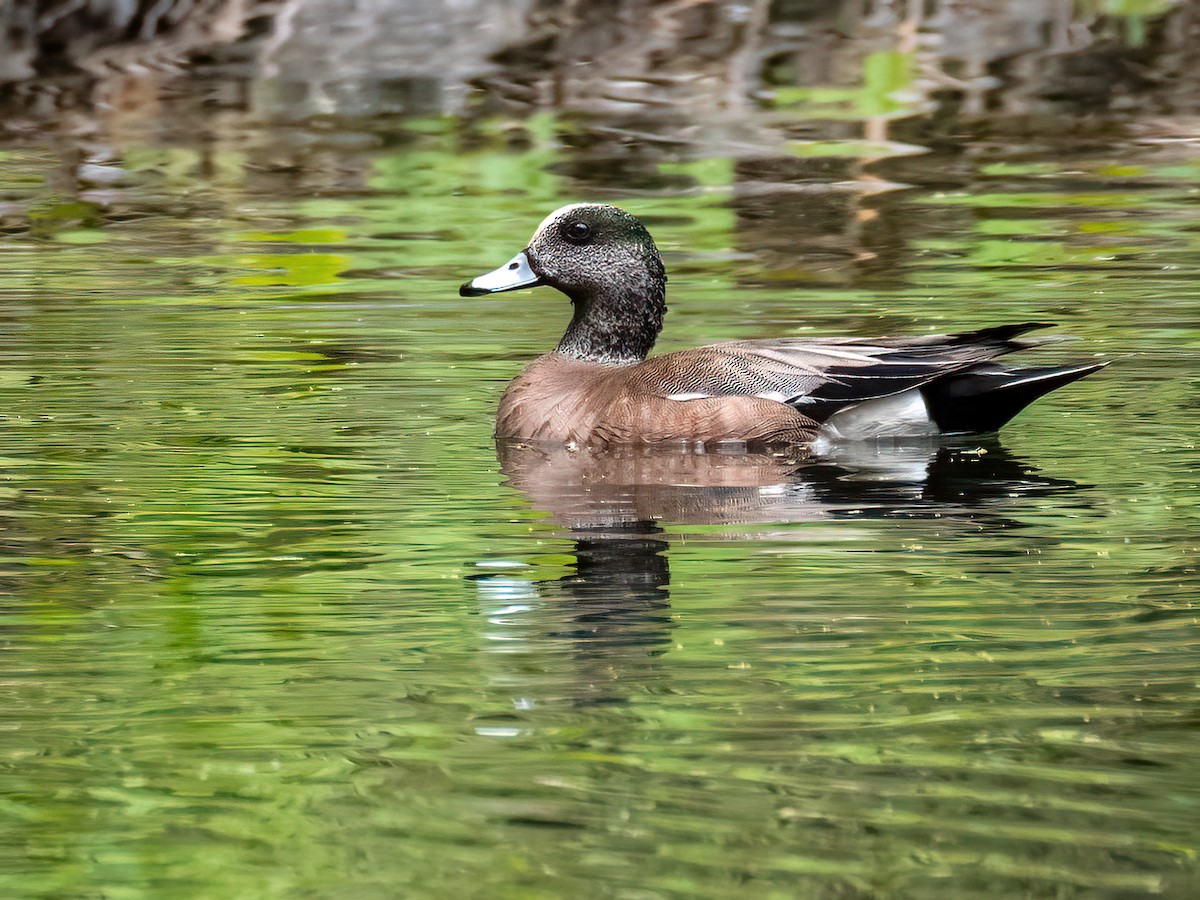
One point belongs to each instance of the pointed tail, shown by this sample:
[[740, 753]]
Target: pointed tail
[[985, 398]]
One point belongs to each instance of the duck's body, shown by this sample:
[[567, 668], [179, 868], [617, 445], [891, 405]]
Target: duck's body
[[598, 387], [566, 400]]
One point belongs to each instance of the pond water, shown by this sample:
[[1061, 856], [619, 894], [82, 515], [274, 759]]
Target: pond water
[[279, 622]]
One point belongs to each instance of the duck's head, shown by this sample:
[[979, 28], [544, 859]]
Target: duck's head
[[581, 249], [606, 262]]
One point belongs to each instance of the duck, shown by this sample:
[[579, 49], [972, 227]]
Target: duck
[[600, 387]]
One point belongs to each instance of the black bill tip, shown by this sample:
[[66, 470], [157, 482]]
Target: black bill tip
[[468, 289]]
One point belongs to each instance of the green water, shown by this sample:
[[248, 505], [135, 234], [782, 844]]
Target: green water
[[276, 624]]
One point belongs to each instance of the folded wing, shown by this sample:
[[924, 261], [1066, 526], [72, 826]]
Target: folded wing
[[956, 380]]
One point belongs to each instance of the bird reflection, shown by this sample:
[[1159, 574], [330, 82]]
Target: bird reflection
[[586, 488], [578, 638], [593, 634]]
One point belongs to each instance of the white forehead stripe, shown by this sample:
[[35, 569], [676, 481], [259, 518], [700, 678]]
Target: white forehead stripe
[[562, 209]]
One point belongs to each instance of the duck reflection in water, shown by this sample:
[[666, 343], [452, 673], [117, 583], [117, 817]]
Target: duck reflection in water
[[594, 489], [593, 635], [581, 637]]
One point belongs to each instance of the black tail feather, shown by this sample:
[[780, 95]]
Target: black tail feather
[[986, 397], [1007, 337], [1003, 334]]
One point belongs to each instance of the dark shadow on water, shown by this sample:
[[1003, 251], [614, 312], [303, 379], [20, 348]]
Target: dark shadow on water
[[588, 637], [620, 586]]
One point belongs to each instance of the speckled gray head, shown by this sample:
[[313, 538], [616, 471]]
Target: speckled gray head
[[580, 249], [606, 262]]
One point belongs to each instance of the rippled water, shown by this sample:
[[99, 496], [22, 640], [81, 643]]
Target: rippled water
[[277, 623]]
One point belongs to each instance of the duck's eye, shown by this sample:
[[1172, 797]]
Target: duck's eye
[[578, 232]]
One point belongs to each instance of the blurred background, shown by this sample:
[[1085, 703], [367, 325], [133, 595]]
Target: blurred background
[[800, 108], [694, 63], [278, 620]]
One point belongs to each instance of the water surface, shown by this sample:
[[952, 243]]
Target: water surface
[[279, 622]]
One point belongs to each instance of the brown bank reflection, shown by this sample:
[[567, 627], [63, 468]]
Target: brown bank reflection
[[594, 634]]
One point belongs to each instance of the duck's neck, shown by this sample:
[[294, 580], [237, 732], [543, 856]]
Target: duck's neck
[[617, 325]]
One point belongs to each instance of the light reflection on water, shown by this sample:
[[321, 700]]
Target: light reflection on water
[[279, 619]]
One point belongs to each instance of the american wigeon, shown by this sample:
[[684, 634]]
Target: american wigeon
[[598, 387]]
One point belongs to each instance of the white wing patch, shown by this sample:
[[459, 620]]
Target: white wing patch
[[777, 396], [900, 415]]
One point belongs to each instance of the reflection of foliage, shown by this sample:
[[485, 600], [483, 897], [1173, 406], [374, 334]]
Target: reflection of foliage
[[61, 217], [247, 461], [885, 75]]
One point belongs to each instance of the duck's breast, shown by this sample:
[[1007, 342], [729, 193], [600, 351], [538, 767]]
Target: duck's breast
[[556, 398]]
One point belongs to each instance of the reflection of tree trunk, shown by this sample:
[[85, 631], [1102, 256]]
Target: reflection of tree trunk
[[875, 128], [746, 61]]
